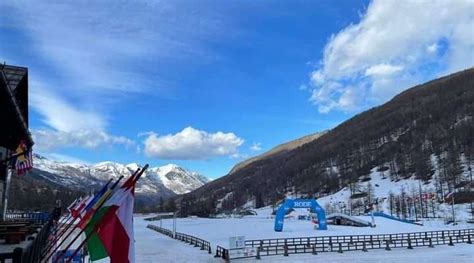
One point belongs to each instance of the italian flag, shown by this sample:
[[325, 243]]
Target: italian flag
[[110, 230]]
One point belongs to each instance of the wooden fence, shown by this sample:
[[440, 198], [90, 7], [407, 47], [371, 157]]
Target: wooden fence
[[315, 245], [340, 244], [358, 238], [192, 240], [222, 253]]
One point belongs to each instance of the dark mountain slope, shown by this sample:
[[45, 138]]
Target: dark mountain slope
[[278, 150], [32, 192], [430, 120]]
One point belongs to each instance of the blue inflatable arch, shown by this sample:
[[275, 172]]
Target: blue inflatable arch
[[300, 203]]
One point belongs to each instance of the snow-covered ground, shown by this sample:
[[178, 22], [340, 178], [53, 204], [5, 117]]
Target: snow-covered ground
[[463, 253], [218, 231], [152, 246]]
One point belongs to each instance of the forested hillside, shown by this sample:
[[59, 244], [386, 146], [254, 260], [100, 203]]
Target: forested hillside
[[425, 132]]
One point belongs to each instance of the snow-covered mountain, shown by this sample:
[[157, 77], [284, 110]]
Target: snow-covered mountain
[[164, 180]]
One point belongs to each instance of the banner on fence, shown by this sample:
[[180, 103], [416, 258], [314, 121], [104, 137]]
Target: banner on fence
[[237, 242], [243, 252]]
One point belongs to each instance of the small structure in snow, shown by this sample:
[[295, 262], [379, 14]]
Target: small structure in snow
[[345, 220]]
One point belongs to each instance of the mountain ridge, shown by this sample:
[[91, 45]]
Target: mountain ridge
[[287, 146], [171, 176], [434, 119]]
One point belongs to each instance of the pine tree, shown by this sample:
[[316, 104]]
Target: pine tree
[[259, 200], [161, 205], [170, 206], [454, 168], [422, 165], [393, 172], [370, 193], [468, 153], [391, 203]]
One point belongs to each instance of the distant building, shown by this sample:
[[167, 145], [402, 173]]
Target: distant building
[[13, 122]]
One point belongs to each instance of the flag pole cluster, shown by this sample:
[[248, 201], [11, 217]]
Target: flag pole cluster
[[107, 222], [76, 210]]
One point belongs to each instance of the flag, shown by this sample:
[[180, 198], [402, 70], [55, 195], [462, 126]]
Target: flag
[[99, 194], [73, 204], [76, 211], [24, 159], [87, 203], [92, 207], [111, 227]]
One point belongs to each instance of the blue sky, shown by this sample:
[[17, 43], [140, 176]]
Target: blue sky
[[206, 85]]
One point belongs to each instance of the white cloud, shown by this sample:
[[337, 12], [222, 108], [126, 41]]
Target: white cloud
[[256, 147], [239, 156], [69, 125], [47, 139], [66, 158], [107, 47], [190, 144], [62, 115], [395, 45], [432, 48], [326, 98], [138, 150], [317, 77], [143, 134], [94, 54], [349, 99], [382, 70]]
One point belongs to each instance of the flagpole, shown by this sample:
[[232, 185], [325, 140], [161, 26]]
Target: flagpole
[[82, 230], [81, 245], [68, 217], [71, 223], [97, 226], [82, 210], [67, 222], [61, 233], [49, 253], [68, 225]]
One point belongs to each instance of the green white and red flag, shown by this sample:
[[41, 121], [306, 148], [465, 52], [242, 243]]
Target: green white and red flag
[[110, 230]]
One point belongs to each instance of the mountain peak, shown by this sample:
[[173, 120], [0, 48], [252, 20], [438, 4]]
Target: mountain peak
[[133, 166], [169, 168], [177, 178], [171, 176], [105, 163]]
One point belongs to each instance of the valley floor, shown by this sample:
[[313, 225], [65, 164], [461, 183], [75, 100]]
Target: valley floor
[[152, 246]]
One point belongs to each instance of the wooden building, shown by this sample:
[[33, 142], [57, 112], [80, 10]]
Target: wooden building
[[13, 122]]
